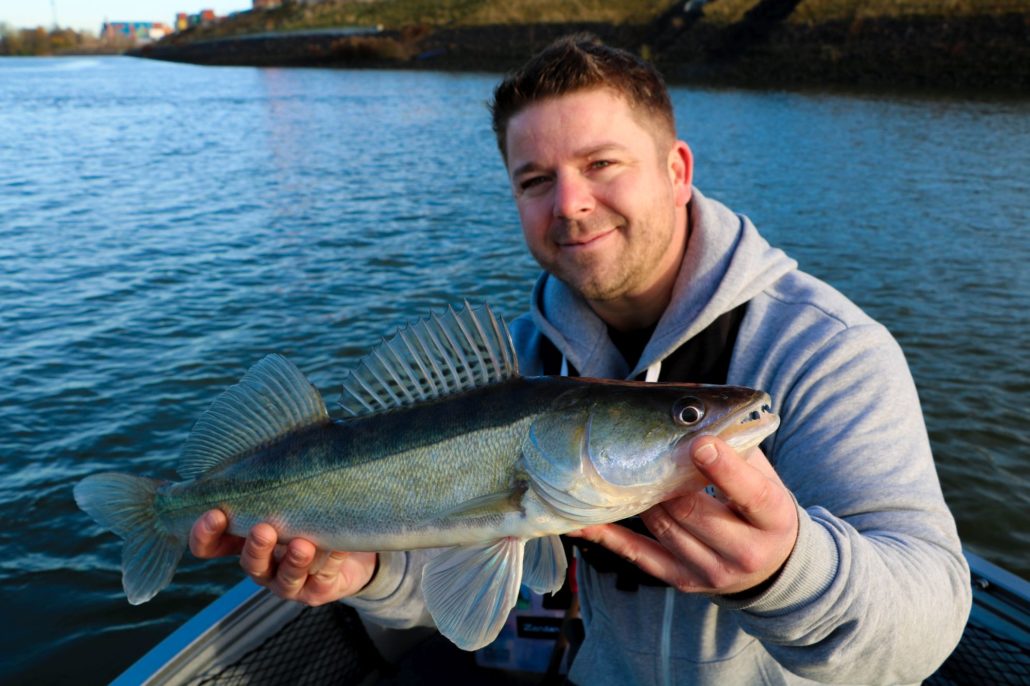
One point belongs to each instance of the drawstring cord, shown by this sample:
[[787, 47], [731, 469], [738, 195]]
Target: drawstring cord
[[665, 645]]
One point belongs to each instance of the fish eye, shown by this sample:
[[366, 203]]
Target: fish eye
[[688, 411]]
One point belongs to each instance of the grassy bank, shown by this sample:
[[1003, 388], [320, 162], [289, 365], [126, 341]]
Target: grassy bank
[[404, 14], [947, 44]]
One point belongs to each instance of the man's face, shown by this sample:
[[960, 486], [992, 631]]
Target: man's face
[[601, 199]]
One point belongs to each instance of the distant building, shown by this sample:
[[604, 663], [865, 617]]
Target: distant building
[[134, 32], [202, 18], [184, 21]]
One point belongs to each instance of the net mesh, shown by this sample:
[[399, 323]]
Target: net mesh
[[328, 644], [321, 645], [984, 658]]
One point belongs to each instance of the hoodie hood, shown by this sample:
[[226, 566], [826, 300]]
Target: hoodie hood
[[726, 264]]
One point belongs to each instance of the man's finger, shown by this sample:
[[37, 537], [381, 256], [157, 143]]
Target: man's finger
[[757, 459], [327, 581], [680, 525], [294, 567], [257, 558], [754, 496], [645, 552], [324, 574], [208, 538]]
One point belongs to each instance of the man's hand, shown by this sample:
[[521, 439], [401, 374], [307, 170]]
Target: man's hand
[[723, 545], [299, 573]]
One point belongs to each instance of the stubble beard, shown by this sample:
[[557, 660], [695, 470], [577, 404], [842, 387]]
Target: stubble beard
[[597, 281], [607, 277], [594, 276]]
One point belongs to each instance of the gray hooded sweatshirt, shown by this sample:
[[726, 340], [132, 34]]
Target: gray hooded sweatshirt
[[876, 590]]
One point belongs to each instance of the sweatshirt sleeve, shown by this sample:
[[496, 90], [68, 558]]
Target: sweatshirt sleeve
[[394, 598], [876, 589]]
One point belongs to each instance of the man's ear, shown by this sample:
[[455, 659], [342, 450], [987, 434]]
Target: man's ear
[[681, 172]]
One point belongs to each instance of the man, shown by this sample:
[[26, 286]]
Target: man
[[830, 556]]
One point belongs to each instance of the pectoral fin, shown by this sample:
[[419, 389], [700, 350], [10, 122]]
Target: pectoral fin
[[544, 567], [494, 503], [469, 591]]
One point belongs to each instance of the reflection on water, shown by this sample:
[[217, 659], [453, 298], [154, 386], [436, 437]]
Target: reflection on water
[[165, 226]]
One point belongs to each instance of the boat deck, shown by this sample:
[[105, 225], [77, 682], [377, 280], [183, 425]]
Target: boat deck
[[249, 636]]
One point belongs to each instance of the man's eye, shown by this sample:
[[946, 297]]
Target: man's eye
[[600, 164], [531, 182]]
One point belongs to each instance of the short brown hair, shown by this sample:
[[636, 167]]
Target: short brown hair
[[581, 62]]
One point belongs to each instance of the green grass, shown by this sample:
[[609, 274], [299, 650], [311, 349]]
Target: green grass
[[816, 11], [397, 14]]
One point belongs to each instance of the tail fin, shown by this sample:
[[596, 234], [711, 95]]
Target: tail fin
[[125, 505]]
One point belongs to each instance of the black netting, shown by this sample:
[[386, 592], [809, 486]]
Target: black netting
[[329, 644], [321, 645], [983, 658]]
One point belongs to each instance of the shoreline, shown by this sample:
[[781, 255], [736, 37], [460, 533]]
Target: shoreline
[[976, 53]]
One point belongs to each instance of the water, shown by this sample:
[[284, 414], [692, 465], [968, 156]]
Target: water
[[165, 226]]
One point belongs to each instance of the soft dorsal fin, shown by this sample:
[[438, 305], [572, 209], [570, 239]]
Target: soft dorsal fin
[[272, 399], [434, 357]]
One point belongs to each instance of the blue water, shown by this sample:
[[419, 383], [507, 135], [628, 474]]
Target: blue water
[[162, 227]]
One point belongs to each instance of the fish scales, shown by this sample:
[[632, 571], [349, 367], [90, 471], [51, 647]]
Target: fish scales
[[344, 478]]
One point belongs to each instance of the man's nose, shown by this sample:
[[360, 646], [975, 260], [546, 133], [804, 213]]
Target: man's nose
[[573, 196]]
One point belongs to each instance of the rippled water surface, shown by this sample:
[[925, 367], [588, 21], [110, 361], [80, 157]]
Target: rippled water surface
[[162, 227]]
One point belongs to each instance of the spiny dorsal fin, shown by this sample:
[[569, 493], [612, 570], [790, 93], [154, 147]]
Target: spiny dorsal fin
[[437, 356], [271, 400]]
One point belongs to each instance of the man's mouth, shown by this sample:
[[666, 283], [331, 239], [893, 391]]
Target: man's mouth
[[585, 241]]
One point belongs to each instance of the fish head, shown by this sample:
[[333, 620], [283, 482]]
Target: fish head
[[640, 433], [607, 448]]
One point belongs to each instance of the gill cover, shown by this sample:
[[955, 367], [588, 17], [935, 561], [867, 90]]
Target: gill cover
[[580, 462]]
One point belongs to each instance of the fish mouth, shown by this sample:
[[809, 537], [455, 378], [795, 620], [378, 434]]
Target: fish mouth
[[748, 426]]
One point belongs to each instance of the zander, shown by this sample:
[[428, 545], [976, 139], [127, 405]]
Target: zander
[[446, 446]]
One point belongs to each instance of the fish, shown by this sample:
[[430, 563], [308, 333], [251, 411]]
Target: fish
[[442, 444]]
